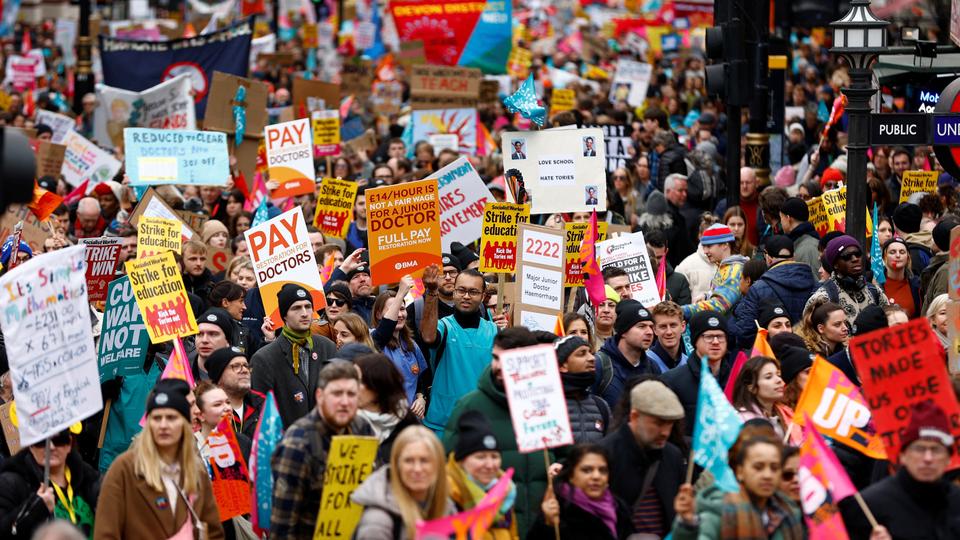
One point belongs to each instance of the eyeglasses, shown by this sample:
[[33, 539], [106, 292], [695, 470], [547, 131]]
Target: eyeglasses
[[717, 338], [936, 450], [60, 439], [852, 255], [241, 367], [788, 475], [451, 273], [468, 292], [336, 302]]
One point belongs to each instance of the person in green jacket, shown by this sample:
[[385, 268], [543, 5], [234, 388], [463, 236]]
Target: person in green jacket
[[530, 473]]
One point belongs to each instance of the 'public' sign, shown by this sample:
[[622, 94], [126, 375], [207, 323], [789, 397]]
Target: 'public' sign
[[899, 129]]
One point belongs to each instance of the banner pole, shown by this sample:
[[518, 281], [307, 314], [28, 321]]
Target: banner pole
[[546, 464], [501, 281], [690, 468], [103, 426], [46, 462], [866, 510]]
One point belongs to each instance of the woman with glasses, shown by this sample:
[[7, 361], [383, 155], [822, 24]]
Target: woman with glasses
[[72, 494], [789, 481], [394, 338]]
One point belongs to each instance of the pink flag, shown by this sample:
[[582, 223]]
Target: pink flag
[[178, 367], [476, 520], [662, 278], [738, 363], [78, 193], [823, 484], [592, 277]]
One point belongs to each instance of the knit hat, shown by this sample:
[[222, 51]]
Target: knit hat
[[7, 249], [656, 399], [629, 313], [927, 421], [361, 269], [783, 340], [109, 187], [212, 227], [656, 204], [219, 317], [907, 217], [869, 319], [218, 361], [717, 233], [830, 175], [566, 346], [769, 312], [611, 294], [785, 177], [705, 321], [352, 350], [449, 260], [838, 244], [793, 360], [340, 288], [796, 208], [474, 435], [290, 294], [464, 254], [170, 394], [779, 246], [941, 233]]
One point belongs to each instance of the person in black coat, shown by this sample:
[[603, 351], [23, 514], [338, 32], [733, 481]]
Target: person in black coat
[[581, 502]]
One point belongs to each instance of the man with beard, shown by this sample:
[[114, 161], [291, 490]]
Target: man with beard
[[624, 355], [846, 285], [216, 331], [229, 369]]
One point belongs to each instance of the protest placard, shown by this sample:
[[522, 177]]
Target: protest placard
[[349, 462], [917, 182], [476, 521], [281, 253], [218, 258], [630, 82], [311, 39], [489, 91], [564, 170], [162, 156], [228, 471], [311, 95], [102, 255], [168, 105], [387, 97], [519, 62], [835, 209], [10, 432], [410, 53], [49, 343], [574, 232], [953, 337], [156, 235], [363, 143], [123, 338], [22, 71], [539, 277], [463, 196], [499, 234], [223, 93], [356, 77], [629, 253], [59, 123], [34, 233], [162, 298], [152, 205], [290, 157], [618, 141], [49, 157], [194, 220], [459, 122], [562, 99], [326, 132], [538, 409], [818, 216], [403, 229], [83, 159], [335, 207], [442, 87], [900, 366]]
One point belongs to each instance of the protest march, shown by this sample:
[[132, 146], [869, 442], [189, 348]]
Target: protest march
[[436, 269]]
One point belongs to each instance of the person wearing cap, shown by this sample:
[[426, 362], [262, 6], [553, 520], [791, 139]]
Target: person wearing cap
[[289, 366], [719, 244], [474, 467], [589, 414], [933, 278], [467, 257], [646, 469], [356, 273], [215, 331], [846, 285], [24, 253], [668, 351], [795, 220], [902, 285], [624, 355], [785, 282], [775, 318], [357, 232], [229, 369], [795, 366], [708, 333], [154, 489], [450, 268], [906, 224], [917, 501]]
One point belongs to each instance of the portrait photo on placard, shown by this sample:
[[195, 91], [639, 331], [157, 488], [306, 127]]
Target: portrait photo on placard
[[590, 195], [519, 149], [589, 147]]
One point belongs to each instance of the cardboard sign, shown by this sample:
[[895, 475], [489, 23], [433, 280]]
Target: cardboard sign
[[629, 253], [219, 115], [290, 158], [281, 253], [311, 95], [349, 462], [411, 53], [123, 339], [161, 296], [49, 157], [356, 78], [463, 196], [218, 259], [162, 156], [59, 123], [335, 207], [167, 106], [152, 205], [573, 272], [442, 87], [34, 233], [538, 408], [499, 234], [564, 169], [102, 255], [489, 91], [562, 99], [83, 159], [326, 132], [459, 122], [49, 342], [403, 230], [193, 220], [900, 366], [387, 97], [630, 82], [156, 235], [228, 471], [364, 143], [918, 182], [10, 432], [539, 278]]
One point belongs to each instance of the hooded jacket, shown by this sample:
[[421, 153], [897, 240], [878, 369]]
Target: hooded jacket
[[381, 514], [623, 371], [788, 283], [685, 382], [806, 244], [918, 244], [724, 288]]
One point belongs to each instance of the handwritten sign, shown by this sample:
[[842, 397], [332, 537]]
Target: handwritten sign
[[102, 256], [326, 132], [49, 342], [499, 234], [573, 269], [349, 463], [443, 87], [166, 106], [281, 253], [538, 408], [463, 196], [83, 159], [629, 252], [918, 182], [165, 156], [49, 157], [539, 277], [10, 432], [161, 296], [156, 234], [335, 207], [403, 230], [228, 472], [630, 82], [123, 338], [59, 123], [290, 157], [218, 258]]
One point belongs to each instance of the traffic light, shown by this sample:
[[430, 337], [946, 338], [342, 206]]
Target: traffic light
[[729, 76]]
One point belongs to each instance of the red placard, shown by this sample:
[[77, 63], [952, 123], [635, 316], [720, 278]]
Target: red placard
[[228, 471], [102, 256]]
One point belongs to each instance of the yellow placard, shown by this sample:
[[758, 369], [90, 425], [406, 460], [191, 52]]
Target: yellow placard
[[835, 207], [573, 273], [562, 99], [335, 207], [918, 182], [499, 233], [818, 216], [349, 462], [310, 37], [156, 235], [519, 62], [326, 132], [161, 296]]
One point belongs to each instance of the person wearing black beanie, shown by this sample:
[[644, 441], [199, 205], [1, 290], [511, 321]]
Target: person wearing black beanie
[[775, 319], [216, 330], [230, 370], [795, 365], [624, 355], [933, 278], [589, 414], [906, 224]]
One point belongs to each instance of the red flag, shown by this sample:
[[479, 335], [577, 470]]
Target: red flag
[[592, 277], [327, 270], [78, 193], [839, 105], [823, 483], [228, 471], [738, 363], [761, 347], [662, 278]]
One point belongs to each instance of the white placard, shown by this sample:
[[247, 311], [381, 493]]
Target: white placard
[[538, 321], [445, 141], [542, 249], [168, 105], [83, 159], [630, 82], [629, 252], [463, 196], [59, 123], [49, 342], [538, 408], [542, 287]]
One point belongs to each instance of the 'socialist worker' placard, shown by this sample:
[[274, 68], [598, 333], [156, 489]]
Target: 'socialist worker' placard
[[403, 230], [290, 157], [335, 207], [498, 243], [161, 297]]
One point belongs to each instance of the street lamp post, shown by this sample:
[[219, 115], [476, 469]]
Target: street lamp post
[[859, 37], [83, 76]]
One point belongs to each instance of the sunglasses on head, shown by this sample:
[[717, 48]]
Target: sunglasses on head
[[60, 439], [336, 302], [852, 255]]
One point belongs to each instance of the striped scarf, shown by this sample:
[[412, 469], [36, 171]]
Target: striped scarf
[[741, 520], [297, 340]]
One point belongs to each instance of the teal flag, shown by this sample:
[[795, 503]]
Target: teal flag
[[876, 255], [715, 431], [524, 101], [261, 215]]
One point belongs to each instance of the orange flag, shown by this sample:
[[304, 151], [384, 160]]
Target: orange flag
[[44, 202], [558, 327], [761, 347], [838, 410]]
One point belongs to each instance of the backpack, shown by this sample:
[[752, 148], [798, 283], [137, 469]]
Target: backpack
[[606, 371]]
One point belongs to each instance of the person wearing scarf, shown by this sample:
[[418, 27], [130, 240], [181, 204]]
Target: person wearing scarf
[[473, 469], [589, 414]]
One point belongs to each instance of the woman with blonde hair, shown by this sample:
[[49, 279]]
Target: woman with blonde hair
[[159, 487], [240, 271], [412, 488], [351, 328], [937, 315]]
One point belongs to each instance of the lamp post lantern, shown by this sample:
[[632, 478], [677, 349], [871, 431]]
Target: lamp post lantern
[[858, 37]]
